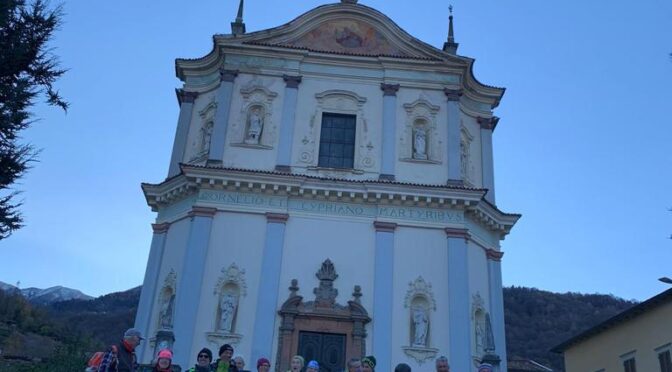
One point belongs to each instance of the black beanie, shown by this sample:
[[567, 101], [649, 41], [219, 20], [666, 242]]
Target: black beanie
[[225, 347], [205, 350]]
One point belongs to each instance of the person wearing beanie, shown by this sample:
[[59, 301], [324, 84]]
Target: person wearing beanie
[[224, 363], [203, 360], [485, 367], [312, 366], [402, 367], [369, 364], [296, 364], [263, 365], [164, 361], [121, 357]]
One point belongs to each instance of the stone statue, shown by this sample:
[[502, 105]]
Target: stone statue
[[206, 135], [479, 337], [256, 124], [420, 143], [166, 312], [421, 323], [227, 306]]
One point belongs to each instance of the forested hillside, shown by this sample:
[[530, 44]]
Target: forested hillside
[[64, 332]]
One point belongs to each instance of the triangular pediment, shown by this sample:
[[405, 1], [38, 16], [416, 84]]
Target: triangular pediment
[[345, 29]]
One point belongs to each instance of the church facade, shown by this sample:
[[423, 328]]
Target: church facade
[[330, 194]]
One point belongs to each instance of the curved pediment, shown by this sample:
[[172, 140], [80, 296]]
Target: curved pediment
[[345, 29]]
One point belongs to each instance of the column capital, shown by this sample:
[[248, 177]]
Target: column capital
[[452, 94], [292, 81], [202, 212], [227, 75], [488, 123], [276, 217], [160, 228], [384, 226], [184, 96], [494, 255], [457, 233], [389, 89]]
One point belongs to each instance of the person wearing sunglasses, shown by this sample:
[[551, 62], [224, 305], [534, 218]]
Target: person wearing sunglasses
[[203, 360]]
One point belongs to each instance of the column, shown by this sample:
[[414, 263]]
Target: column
[[269, 285], [148, 294], [458, 300], [487, 127], [224, 96], [389, 130], [284, 157], [190, 280], [497, 304], [382, 294], [186, 101], [453, 141]]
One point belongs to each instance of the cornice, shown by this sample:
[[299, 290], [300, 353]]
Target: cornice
[[194, 178], [488, 123], [160, 228], [457, 233], [494, 255], [184, 96], [202, 212]]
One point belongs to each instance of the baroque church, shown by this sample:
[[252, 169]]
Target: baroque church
[[330, 194]]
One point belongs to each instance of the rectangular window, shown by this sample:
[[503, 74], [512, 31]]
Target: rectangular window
[[337, 141], [629, 365], [665, 361]]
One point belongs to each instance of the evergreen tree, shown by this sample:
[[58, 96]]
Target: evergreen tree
[[28, 69]]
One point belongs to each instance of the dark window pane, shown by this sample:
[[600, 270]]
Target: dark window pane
[[324, 149], [349, 151], [337, 135], [336, 150], [337, 141]]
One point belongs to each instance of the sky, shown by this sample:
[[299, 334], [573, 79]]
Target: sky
[[582, 150]]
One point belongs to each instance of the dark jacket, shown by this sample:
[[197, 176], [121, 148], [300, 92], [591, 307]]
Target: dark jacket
[[122, 361], [196, 368], [232, 366]]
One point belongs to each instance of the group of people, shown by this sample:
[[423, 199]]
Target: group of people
[[121, 358]]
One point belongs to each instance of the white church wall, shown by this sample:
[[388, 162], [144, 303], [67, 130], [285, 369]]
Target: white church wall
[[420, 252], [236, 238], [435, 169], [307, 129], [237, 152]]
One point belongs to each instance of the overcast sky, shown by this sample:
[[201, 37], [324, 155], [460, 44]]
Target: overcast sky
[[583, 149]]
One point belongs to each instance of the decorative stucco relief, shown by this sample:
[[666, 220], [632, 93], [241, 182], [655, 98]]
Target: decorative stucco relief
[[340, 102], [466, 165], [420, 140], [254, 126]]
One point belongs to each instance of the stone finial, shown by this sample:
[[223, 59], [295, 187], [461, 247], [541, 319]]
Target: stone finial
[[325, 294], [389, 89], [348, 1], [293, 288], [450, 46], [357, 293], [327, 271]]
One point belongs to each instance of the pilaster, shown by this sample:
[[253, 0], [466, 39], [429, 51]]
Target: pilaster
[[149, 284], [497, 304], [382, 294], [186, 101], [284, 156], [224, 96], [458, 308], [453, 140], [269, 285], [487, 165], [389, 130], [190, 283]]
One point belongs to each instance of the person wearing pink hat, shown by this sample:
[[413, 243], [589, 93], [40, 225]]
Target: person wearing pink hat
[[164, 361], [263, 365], [485, 367]]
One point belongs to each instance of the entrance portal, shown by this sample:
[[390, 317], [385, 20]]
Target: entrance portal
[[328, 349]]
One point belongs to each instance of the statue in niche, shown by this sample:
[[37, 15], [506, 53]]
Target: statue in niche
[[206, 135], [255, 126], [420, 143], [464, 158], [420, 322], [227, 307], [479, 337], [166, 312]]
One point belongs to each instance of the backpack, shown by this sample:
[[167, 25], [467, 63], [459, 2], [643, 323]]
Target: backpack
[[97, 359]]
